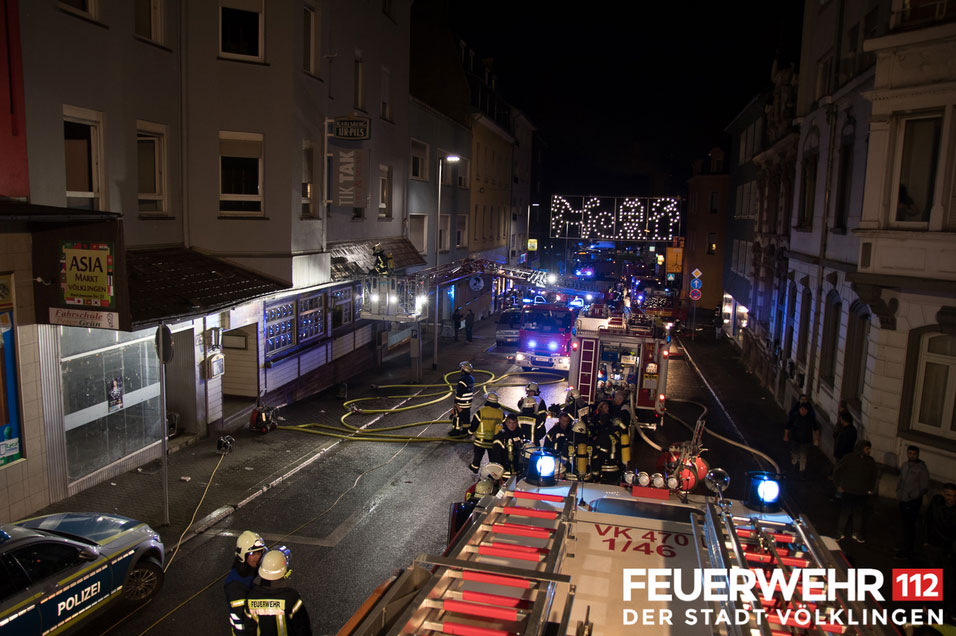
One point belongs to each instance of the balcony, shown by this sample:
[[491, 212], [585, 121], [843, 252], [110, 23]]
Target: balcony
[[918, 14]]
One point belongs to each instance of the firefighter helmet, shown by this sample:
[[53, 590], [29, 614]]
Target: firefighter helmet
[[465, 366], [485, 487], [528, 403], [274, 566], [574, 393], [579, 427], [532, 388], [491, 398], [248, 542]]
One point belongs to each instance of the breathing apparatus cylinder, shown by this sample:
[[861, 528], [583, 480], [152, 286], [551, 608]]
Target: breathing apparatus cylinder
[[626, 447]]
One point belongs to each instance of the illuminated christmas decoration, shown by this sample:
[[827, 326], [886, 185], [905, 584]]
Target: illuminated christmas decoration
[[610, 218]]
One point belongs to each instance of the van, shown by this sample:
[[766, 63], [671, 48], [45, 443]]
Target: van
[[509, 327]]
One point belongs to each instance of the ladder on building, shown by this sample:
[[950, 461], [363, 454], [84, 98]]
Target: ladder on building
[[500, 577]]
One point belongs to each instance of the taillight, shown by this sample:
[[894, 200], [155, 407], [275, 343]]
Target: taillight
[[665, 353], [660, 397], [574, 346]]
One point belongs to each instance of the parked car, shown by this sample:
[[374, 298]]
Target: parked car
[[509, 327], [58, 570]]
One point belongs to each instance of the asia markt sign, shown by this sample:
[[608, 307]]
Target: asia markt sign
[[86, 273]]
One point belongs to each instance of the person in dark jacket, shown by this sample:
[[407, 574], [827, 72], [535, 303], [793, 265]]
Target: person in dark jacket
[[456, 319], [464, 393], [275, 608], [469, 324], [939, 523], [912, 484], [844, 437], [802, 431], [506, 448], [249, 550], [855, 478]]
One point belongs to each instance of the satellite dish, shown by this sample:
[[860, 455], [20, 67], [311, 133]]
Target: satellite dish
[[476, 283]]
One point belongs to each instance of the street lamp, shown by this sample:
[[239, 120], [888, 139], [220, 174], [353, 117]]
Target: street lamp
[[441, 162]]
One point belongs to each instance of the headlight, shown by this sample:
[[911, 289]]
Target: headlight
[[519, 356]]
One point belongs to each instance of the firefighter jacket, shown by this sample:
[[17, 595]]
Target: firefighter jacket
[[578, 408], [559, 440], [506, 448], [532, 428], [606, 435], [485, 425], [277, 611], [465, 391], [532, 405], [238, 582], [383, 262]]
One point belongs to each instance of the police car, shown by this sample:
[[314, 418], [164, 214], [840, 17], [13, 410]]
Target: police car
[[56, 570]]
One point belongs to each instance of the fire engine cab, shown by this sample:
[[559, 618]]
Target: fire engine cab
[[545, 340], [621, 350]]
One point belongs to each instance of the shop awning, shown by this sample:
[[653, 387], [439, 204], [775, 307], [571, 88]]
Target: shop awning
[[354, 259], [177, 283]]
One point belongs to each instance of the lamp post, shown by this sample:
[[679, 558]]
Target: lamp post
[[441, 161]]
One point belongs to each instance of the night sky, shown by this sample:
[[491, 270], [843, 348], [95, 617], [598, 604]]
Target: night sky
[[625, 90]]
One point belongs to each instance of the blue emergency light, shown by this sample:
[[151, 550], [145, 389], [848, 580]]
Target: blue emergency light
[[542, 468], [764, 491]]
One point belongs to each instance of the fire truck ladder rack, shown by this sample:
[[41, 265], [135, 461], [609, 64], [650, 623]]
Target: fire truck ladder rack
[[756, 543], [500, 577], [404, 297]]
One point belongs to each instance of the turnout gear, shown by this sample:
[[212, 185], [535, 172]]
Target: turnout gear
[[484, 426], [491, 398], [383, 260], [275, 609], [506, 449], [464, 393], [532, 428], [249, 548]]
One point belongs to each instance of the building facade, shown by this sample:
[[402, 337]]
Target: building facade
[[708, 194]]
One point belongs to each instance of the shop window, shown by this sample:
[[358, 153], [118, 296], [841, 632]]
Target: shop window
[[342, 308], [280, 326], [311, 317]]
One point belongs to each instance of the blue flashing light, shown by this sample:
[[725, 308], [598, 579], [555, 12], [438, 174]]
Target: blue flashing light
[[765, 491], [532, 344], [545, 465], [526, 301], [768, 491], [553, 346]]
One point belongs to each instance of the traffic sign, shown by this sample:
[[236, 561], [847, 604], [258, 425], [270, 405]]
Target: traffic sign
[[696, 273], [696, 283], [694, 294]]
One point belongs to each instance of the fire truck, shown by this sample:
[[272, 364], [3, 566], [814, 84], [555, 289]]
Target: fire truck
[[627, 350], [543, 556], [545, 340]]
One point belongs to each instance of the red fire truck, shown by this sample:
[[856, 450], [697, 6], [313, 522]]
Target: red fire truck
[[626, 351], [545, 340]]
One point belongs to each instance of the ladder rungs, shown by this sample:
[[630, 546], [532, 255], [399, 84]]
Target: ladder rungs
[[497, 551], [520, 511], [496, 579], [494, 599], [521, 530], [461, 629], [477, 609], [539, 496]]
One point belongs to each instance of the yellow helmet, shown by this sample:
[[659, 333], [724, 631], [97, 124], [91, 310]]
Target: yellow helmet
[[248, 542], [274, 566]]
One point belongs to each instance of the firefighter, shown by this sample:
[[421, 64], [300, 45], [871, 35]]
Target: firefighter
[[619, 407], [484, 426], [531, 420], [383, 260], [560, 439], [249, 550], [506, 449], [464, 392], [606, 435], [576, 405], [276, 609]]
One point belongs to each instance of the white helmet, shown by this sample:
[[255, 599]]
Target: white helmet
[[579, 427], [491, 398], [465, 366], [527, 403], [274, 566], [533, 388], [248, 542], [574, 393]]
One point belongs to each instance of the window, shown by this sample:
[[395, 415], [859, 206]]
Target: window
[[461, 232], [384, 192], [917, 169], [417, 228], [311, 317], [419, 160], [87, 8], [933, 399], [308, 179], [791, 315], [83, 158], [443, 223], [151, 167], [386, 108], [803, 335], [462, 168], [240, 29], [342, 312], [148, 20], [855, 352], [809, 191], [844, 181], [42, 560], [714, 203], [240, 173], [280, 326], [359, 81], [739, 207], [712, 243], [824, 73], [311, 49], [831, 336]]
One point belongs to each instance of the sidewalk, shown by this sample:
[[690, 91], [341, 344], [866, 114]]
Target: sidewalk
[[761, 421], [257, 462]]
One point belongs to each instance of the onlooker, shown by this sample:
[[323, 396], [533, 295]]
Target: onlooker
[[912, 485], [456, 319], [940, 546], [855, 478], [844, 437], [469, 324], [802, 431]]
